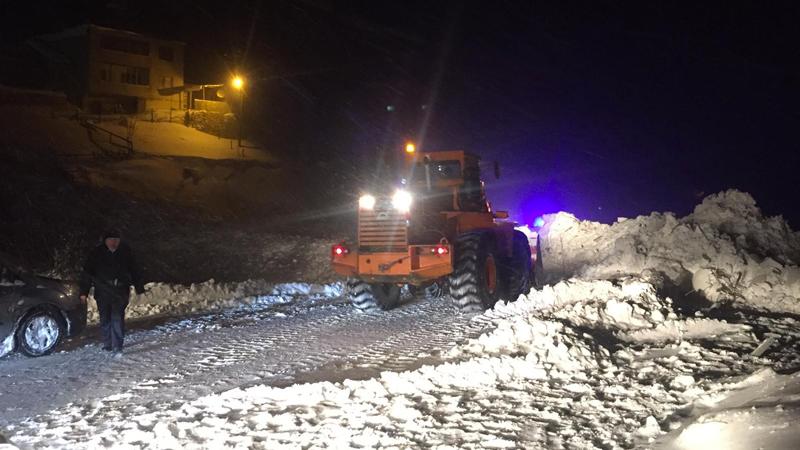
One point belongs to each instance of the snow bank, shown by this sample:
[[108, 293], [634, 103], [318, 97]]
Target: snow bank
[[7, 345], [726, 249], [630, 309], [172, 299]]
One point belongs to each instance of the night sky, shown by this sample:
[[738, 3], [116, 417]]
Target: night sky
[[603, 109]]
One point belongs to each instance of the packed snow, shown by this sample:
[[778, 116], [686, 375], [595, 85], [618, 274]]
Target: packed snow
[[602, 357], [174, 300]]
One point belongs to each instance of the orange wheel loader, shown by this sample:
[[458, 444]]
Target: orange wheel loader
[[436, 231]]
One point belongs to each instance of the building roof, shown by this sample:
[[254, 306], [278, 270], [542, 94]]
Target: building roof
[[82, 30]]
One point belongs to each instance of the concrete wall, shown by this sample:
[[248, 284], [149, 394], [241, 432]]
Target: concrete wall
[[177, 101], [213, 106]]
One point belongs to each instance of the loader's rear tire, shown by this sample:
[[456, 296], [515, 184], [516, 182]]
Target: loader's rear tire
[[474, 283], [374, 297], [518, 268]]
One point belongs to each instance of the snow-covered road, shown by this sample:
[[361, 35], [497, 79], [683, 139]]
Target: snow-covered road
[[580, 364], [307, 338], [653, 332]]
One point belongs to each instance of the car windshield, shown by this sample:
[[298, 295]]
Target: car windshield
[[439, 170]]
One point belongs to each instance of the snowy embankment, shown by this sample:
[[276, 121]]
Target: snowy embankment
[[174, 299], [600, 359], [725, 250]]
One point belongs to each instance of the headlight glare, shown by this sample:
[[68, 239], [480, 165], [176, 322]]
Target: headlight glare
[[366, 201], [401, 200]]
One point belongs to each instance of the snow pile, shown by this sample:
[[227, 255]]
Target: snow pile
[[736, 215], [7, 345], [173, 299], [630, 309], [550, 346], [726, 249]]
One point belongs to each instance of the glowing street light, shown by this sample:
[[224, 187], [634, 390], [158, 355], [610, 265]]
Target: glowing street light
[[237, 82]]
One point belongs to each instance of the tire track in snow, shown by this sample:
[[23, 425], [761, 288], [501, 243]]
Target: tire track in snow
[[299, 342]]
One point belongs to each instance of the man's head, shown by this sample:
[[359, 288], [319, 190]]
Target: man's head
[[111, 239]]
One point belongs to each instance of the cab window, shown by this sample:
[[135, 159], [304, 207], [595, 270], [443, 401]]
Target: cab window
[[439, 170]]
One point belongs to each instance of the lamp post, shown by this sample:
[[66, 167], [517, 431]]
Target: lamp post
[[238, 83]]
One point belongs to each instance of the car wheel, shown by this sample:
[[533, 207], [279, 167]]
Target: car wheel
[[39, 333]]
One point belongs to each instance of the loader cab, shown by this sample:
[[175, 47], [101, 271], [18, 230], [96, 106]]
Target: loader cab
[[448, 181]]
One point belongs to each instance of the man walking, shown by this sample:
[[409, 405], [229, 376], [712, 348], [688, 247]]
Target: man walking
[[111, 270]]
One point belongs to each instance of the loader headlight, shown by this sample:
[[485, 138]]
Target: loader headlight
[[366, 201], [401, 200]]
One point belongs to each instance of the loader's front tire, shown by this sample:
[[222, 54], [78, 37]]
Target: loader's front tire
[[373, 297], [474, 283]]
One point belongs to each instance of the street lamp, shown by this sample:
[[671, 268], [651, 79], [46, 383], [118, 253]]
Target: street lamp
[[238, 83]]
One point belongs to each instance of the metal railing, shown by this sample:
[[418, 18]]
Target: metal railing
[[118, 145]]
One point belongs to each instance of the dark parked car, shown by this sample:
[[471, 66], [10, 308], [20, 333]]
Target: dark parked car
[[36, 313]]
